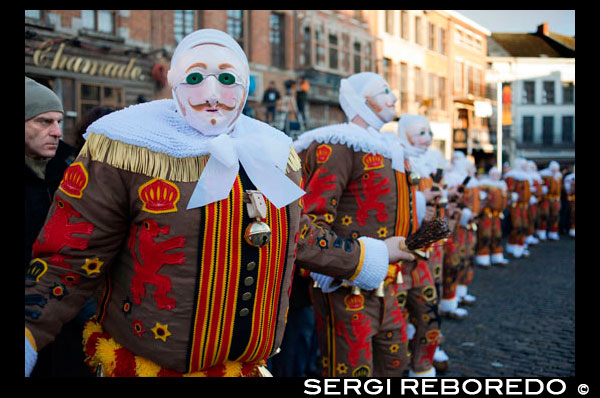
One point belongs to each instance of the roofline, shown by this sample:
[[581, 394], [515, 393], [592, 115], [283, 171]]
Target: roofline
[[466, 20]]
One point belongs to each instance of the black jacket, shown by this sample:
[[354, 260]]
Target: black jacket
[[39, 194]]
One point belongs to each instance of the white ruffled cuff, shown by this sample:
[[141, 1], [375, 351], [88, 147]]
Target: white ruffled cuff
[[374, 263], [465, 217], [30, 357]]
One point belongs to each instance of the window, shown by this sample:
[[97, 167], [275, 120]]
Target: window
[[418, 85], [389, 21], [357, 57], [306, 44], [276, 38], [470, 80], [431, 91], [320, 44], [442, 93], [404, 25], [333, 51], [418, 32], [548, 93], [527, 129], [368, 66], [567, 128], [183, 24], [98, 20], [442, 41], [568, 93], [235, 25], [529, 92], [387, 70], [33, 14], [403, 87], [548, 130], [431, 36], [92, 95], [458, 77]]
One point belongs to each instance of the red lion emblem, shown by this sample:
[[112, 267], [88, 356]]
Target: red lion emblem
[[153, 256], [58, 234], [361, 328], [318, 184], [371, 191]]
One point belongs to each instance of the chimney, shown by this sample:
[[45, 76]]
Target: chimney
[[543, 29]]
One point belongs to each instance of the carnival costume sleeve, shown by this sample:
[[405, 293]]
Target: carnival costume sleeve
[[75, 248], [359, 261]]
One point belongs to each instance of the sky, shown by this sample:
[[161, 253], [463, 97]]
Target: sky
[[523, 21]]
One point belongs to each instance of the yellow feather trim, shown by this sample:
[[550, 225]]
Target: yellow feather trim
[[145, 367], [105, 351], [141, 160]]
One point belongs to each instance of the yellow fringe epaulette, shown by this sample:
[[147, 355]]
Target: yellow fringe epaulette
[[294, 163], [141, 160]]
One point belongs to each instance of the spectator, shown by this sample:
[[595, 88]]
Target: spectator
[[46, 159], [270, 98], [301, 94]]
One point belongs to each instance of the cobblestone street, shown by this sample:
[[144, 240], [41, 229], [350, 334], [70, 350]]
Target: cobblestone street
[[523, 323]]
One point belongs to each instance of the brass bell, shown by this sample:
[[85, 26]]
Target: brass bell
[[257, 234], [414, 178], [379, 292], [355, 290], [443, 202]]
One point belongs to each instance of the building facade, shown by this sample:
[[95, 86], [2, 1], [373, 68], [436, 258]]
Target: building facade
[[435, 62], [537, 73]]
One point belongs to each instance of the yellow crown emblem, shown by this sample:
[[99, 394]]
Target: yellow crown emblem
[[323, 152], [354, 302], [74, 180], [159, 196], [372, 161]]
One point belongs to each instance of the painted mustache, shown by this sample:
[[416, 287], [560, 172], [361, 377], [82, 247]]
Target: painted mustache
[[205, 105]]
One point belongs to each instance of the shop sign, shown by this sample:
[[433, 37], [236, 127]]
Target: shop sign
[[44, 58]]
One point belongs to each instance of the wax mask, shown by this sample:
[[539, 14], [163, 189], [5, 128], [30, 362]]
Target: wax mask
[[381, 100], [419, 134], [494, 173], [208, 83]]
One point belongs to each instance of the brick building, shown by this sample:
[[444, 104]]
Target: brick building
[[434, 59]]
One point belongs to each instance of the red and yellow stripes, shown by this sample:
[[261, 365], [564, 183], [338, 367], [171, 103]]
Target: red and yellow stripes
[[268, 285], [218, 281], [404, 218]]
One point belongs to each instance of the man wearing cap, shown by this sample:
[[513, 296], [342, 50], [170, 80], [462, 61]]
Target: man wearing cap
[[183, 217], [46, 159], [359, 190]]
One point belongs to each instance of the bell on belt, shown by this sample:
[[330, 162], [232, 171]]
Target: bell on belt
[[380, 292], [414, 178], [258, 233], [355, 290]]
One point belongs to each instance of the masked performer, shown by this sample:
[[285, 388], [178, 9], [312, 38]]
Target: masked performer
[[535, 183], [569, 183], [489, 242], [416, 136], [183, 217], [358, 184], [550, 205], [517, 181], [455, 248]]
